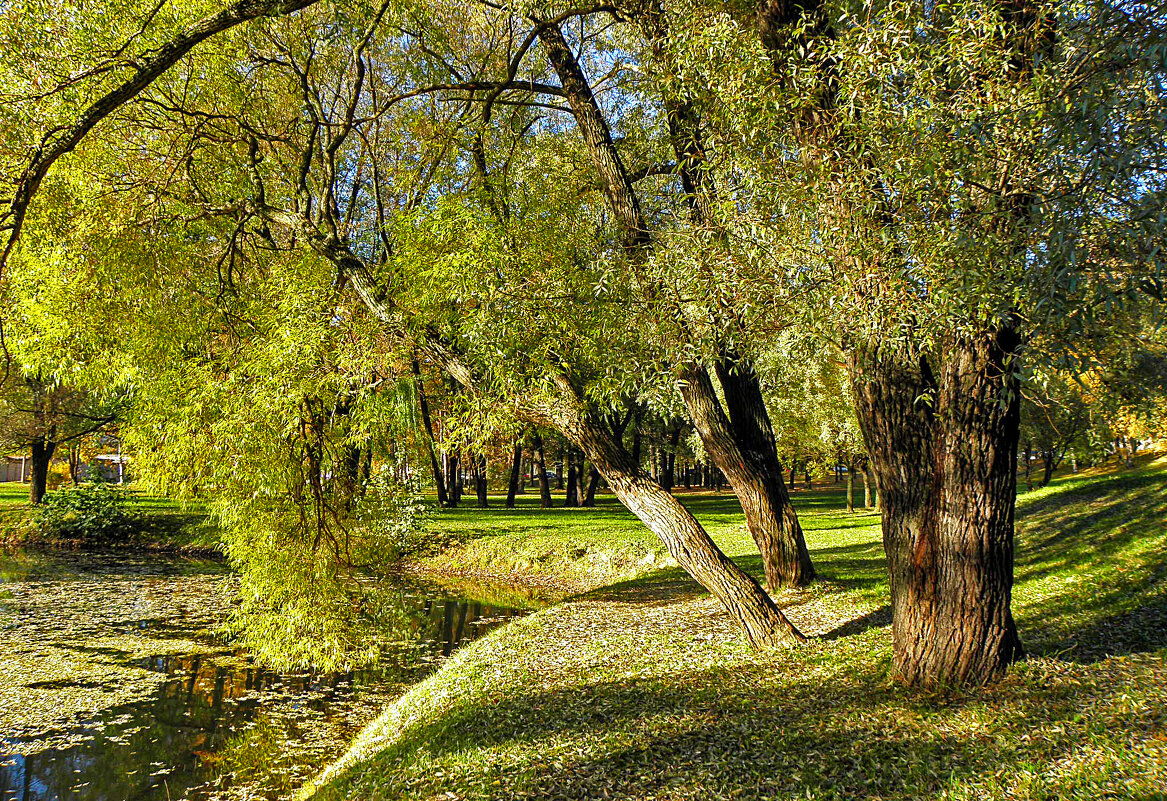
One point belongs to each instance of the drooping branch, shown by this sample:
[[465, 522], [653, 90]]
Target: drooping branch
[[150, 66]]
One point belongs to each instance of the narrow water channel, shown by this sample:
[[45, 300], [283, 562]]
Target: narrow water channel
[[114, 684]]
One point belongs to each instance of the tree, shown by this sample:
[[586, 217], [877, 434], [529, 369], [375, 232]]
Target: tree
[[931, 156], [40, 415], [272, 218]]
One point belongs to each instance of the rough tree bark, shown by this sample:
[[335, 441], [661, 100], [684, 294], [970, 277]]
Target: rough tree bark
[[753, 472], [943, 443], [686, 540]]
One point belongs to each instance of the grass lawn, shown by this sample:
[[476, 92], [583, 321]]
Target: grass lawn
[[582, 549], [643, 688], [158, 522]]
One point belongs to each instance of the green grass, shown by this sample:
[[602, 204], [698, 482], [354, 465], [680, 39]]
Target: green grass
[[644, 689], [581, 549], [158, 522]]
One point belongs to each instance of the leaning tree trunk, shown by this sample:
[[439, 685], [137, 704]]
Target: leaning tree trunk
[[687, 542], [944, 450], [742, 446], [42, 455], [540, 462]]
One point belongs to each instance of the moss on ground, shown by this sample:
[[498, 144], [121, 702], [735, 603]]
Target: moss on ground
[[644, 689]]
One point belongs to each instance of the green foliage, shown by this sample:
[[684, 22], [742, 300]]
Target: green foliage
[[93, 512], [307, 587]]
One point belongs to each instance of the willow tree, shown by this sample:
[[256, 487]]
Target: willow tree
[[953, 180], [352, 166]]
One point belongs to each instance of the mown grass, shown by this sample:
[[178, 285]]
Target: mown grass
[[643, 688], [155, 521], [581, 549]]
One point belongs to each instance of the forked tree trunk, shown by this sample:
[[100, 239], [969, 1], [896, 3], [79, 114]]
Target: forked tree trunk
[[540, 462], [944, 449], [687, 542], [42, 456], [516, 472], [742, 446]]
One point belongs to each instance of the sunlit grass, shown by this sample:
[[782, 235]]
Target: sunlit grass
[[643, 688], [158, 522]]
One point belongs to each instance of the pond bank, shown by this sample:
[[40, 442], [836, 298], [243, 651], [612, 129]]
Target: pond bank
[[115, 684], [644, 689]]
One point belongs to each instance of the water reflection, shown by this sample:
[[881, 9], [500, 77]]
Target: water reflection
[[212, 725]]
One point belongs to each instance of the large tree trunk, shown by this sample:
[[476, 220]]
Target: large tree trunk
[[42, 456], [687, 542], [516, 472], [851, 487], [540, 462], [742, 446], [944, 449]]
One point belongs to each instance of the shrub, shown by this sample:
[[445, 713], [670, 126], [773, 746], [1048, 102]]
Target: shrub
[[90, 511]]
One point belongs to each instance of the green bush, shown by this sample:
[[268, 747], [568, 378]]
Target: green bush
[[91, 511]]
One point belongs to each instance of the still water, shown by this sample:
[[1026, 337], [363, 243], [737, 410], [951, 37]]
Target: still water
[[115, 683]]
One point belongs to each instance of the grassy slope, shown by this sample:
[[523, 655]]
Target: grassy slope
[[643, 689]]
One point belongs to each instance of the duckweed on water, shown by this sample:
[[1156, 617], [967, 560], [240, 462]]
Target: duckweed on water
[[113, 684]]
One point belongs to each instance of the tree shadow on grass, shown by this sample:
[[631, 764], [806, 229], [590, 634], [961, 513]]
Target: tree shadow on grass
[[712, 733], [655, 589], [1094, 556], [875, 619]]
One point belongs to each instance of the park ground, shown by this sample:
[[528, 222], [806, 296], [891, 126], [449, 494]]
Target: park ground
[[641, 687], [634, 684]]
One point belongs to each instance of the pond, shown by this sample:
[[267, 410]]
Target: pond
[[116, 684]]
